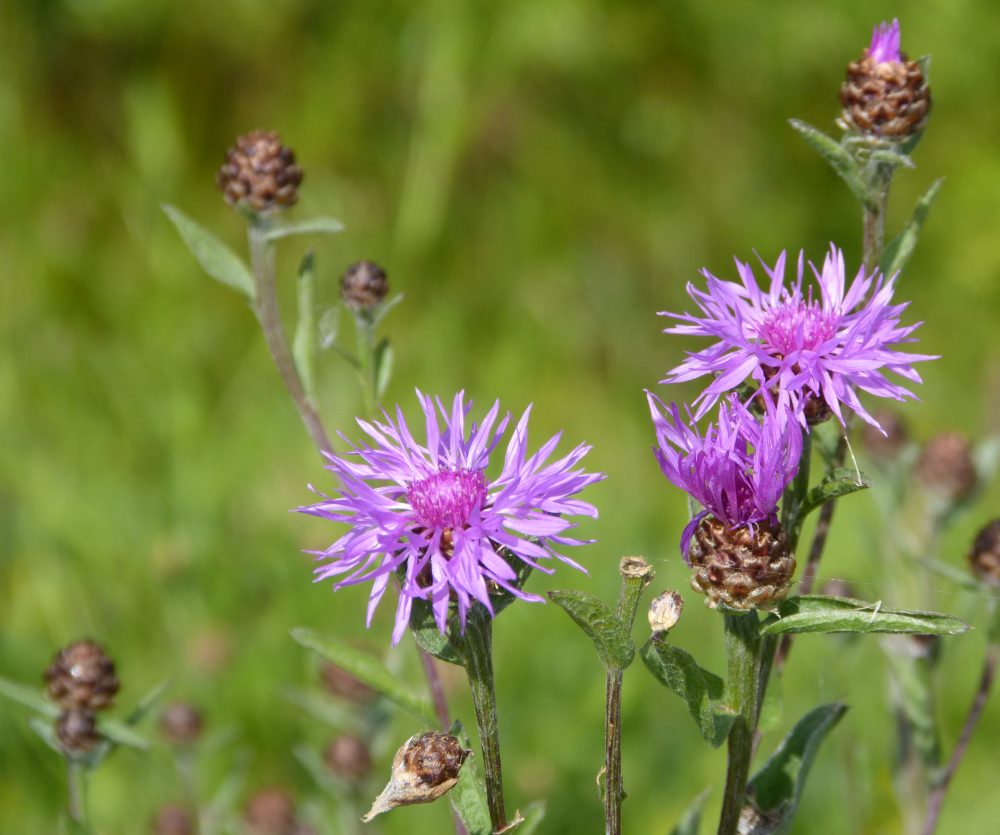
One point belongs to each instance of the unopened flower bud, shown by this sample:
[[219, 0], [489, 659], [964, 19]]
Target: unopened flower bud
[[945, 466], [748, 567], [340, 683], [260, 172], [984, 555], [172, 820], [665, 611], [424, 769], [884, 448], [347, 756], [76, 731], [270, 812], [181, 723], [364, 285], [82, 677]]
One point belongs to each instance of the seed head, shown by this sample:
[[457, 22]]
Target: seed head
[[181, 723], [364, 285], [946, 467], [984, 555], [76, 731], [347, 756], [339, 682], [260, 172], [665, 611], [82, 677]]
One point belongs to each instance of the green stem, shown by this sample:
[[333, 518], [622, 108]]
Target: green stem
[[879, 178], [364, 327], [479, 666], [743, 650], [76, 774]]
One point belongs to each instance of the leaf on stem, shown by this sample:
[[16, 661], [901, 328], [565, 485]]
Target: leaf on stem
[[898, 253], [217, 259], [819, 613], [147, 702], [304, 344], [121, 734], [690, 821], [604, 628], [468, 797], [383, 367], [704, 692], [840, 482], [362, 666], [840, 160], [31, 697], [913, 695], [773, 793], [313, 226], [46, 731]]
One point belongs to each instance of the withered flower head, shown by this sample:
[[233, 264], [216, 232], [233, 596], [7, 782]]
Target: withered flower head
[[270, 812], [665, 611], [946, 467], [260, 172], [82, 677], [364, 285], [347, 756], [181, 723], [984, 555], [76, 731]]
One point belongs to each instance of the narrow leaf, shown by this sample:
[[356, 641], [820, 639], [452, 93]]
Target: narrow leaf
[[147, 702], [775, 790], [217, 259], [610, 637], [383, 367], [363, 666], [313, 763], [839, 482], [819, 613], [533, 815], [31, 697], [701, 690], [329, 326], [313, 226], [839, 158], [959, 576], [913, 694], [121, 734], [304, 344], [468, 797], [227, 795], [690, 821], [46, 731], [898, 253]]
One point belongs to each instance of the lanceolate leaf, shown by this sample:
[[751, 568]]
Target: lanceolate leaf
[[424, 628], [383, 367], [775, 790], [898, 253], [218, 260], [304, 344], [838, 157], [835, 484], [690, 821], [468, 797], [313, 226], [147, 702], [610, 637], [703, 691], [121, 734], [533, 816], [363, 666], [819, 613], [29, 697]]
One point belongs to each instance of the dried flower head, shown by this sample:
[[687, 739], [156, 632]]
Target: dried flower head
[[802, 349], [347, 756], [181, 723], [364, 285], [260, 172], [270, 812], [76, 732], [172, 820], [435, 518], [665, 611], [885, 94], [984, 555], [82, 677], [945, 466]]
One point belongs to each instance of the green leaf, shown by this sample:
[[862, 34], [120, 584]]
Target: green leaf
[[226, 797], [313, 226], [147, 702], [361, 665], [533, 816], [329, 326], [839, 482], [32, 697], [892, 157], [304, 344], [468, 797], [959, 576], [897, 254], [324, 778], [121, 734], [217, 259], [775, 790], [383, 367], [380, 312], [913, 695], [819, 613], [424, 628], [690, 821], [610, 637], [703, 691], [46, 731], [839, 158]]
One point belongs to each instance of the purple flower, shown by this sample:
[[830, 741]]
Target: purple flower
[[736, 485], [885, 43], [438, 519], [803, 348]]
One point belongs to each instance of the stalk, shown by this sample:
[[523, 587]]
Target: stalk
[[76, 774], [743, 650]]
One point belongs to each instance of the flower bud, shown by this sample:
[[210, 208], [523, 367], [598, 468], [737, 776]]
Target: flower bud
[[423, 770], [82, 677], [945, 466], [748, 567], [984, 555], [347, 756], [260, 172], [665, 611], [340, 683], [181, 723], [76, 731], [364, 285], [270, 812], [172, 820]]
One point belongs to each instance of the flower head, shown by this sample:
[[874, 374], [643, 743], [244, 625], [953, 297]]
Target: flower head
[[885, 43], [434, 517], [736, 485], [807, 351]]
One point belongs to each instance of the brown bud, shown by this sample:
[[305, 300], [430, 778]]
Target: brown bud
[[665, 611], [945, 466], [742, 568], [984, 555], [76, 731], [260, 172], [347, 756], [887, 447], [172, 820], [181, 723], [364, 285], [424, 769], [341, 683], [889, 99], [270, 812], [81, 677]]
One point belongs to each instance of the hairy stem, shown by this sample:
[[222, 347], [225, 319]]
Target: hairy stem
[[743, 650], [879, 177], [76, 775]]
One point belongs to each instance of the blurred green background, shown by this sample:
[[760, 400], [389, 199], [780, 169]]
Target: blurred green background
[[539, 177]]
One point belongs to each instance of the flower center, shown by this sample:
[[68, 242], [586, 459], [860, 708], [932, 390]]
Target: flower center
[[446, 499], [797, 326]]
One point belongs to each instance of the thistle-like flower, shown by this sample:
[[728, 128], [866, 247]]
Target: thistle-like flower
[[812, 354], [438, 521], [736, 546]]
